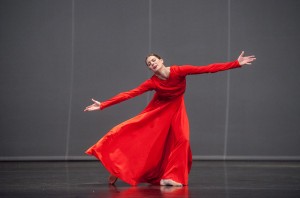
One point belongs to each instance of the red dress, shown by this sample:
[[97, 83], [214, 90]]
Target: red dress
[[153, 145]]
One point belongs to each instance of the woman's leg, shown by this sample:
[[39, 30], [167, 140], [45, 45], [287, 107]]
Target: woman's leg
[[180, 157], [112, 179]]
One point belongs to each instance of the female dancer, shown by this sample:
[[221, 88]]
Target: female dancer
[[154, 146]]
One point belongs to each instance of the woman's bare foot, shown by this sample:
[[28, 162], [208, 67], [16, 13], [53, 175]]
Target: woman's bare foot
[[169, 182], [112, 179]]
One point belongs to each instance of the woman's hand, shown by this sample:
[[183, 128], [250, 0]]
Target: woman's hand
[[245, 60], [93, 107]]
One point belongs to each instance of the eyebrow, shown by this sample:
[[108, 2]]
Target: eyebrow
[[151, 60]]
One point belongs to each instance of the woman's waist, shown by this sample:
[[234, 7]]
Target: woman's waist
[[166, 96]]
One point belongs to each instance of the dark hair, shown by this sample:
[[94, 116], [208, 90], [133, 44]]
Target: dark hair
[[152, 54]]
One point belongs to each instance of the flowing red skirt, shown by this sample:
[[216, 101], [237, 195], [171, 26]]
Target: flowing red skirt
[[151, 146]]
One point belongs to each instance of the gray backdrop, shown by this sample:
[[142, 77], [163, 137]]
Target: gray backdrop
[[55, 55]]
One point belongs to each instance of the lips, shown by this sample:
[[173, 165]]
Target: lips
[[154, 66]]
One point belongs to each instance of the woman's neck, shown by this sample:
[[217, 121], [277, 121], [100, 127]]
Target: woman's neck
[[163, 73]]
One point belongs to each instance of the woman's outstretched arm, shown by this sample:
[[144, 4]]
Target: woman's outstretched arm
[[145, 86], [216, 67]]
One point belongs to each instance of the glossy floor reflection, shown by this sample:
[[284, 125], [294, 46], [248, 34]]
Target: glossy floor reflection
[[208, 179]]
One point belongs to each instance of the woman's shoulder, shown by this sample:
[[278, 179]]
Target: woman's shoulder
[[175, 69], [174, 66]]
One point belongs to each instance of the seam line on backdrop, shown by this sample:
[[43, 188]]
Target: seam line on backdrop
[[149, 40], [71, 83], [150, 26], [227, 84]]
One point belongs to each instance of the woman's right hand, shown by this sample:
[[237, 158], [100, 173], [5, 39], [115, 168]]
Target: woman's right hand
[[93, 107]]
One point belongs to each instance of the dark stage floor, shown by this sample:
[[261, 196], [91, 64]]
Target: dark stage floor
[[208, 179]]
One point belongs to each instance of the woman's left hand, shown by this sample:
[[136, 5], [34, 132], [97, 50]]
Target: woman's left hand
[[245, 60]]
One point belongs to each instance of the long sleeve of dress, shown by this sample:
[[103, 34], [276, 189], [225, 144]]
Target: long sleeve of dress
[[212, 68], [145, 86]]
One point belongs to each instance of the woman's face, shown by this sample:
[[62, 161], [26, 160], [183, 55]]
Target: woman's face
[[154, 63]]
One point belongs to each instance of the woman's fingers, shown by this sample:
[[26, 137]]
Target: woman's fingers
[[246, 60], [89, 108], [242, 54], [95, 101], [93, 107]]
